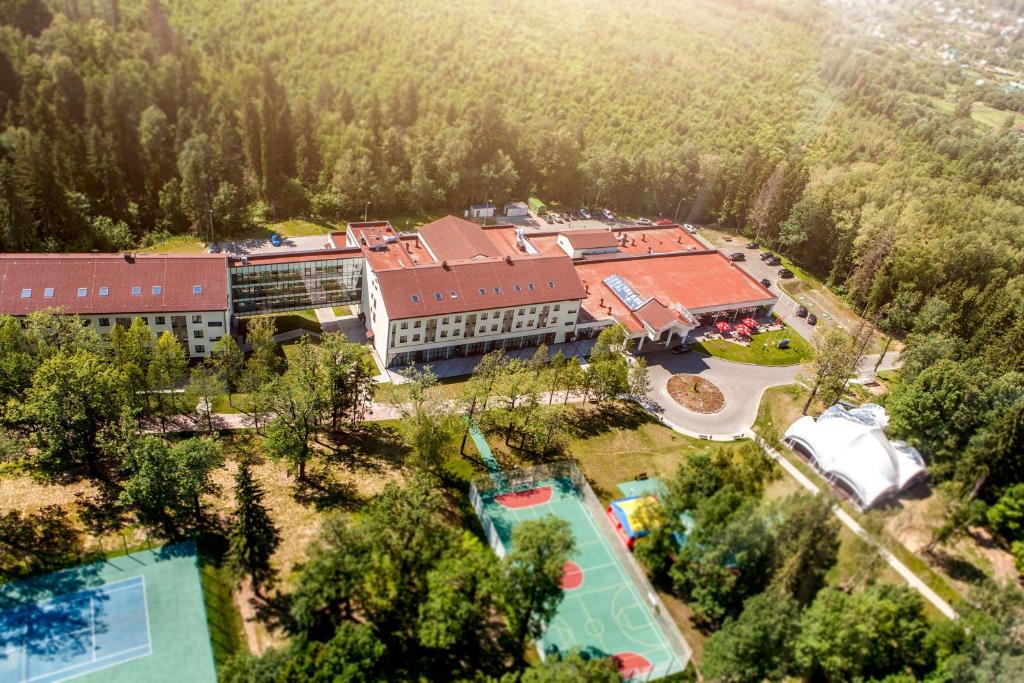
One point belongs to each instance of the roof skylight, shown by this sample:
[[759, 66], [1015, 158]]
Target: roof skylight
[[48, 293], [136, 291], [197, 289], [26, 293], [83, 291], [104, 291]]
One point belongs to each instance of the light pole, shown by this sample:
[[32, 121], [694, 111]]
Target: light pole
[[210, 235], [366, 208]]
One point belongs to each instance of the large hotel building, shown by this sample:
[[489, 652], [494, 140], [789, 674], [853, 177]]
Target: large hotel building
[[451, 289]]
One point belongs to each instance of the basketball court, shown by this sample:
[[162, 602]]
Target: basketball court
[[137, 617], [604, 611]]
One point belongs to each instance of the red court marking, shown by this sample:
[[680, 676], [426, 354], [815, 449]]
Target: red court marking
[[572, 576], [631, 664], [525, 499]]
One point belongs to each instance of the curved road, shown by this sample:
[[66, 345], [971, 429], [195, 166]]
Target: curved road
[[741, 384]]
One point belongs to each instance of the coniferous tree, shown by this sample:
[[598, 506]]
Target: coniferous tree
[[253, 537]]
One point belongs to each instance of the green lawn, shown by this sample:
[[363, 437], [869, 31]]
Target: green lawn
[[298, 227], [762, 349], [342, 311], [293, 320], [176, 244]]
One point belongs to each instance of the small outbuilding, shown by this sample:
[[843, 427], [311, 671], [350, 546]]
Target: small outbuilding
[[850, 448], [537, 206], [482, 210], [517, 209]]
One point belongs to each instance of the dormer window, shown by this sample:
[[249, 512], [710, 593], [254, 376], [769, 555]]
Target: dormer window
[[83, 291], [483, 291], [517, 287], [438, 296], [497, 290], [551, 284], [415, 298], [136, 291], [26, 293], [454, 294], [48, 293], [532, 286]]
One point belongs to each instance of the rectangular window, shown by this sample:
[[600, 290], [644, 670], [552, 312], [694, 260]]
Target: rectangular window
[[48, 293], [415, 298], [213, 339], [558, 306], [529, 323], [519, 324], [145, 320], [104, 291], [482, 330], [418, 324], [415, 337], [497, 290], [83, 291], [197, 319], [551, 284], [532, 286], [494, 328], [136, 291], [405, 326], [160, 320], [483, 291], [458, 319], [483, 316], [200, 348], [438, 296], [215, 323], [444, 333], [568, 323], [403, 339], [197, 289], [457, 332], [554, 320], [26, 293], [522, 311], [157, 290], [533, 309], [453, 294], [517, 287], [197, 334], [104, 322]]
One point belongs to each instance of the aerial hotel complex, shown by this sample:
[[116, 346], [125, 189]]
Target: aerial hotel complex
[[451, 289]]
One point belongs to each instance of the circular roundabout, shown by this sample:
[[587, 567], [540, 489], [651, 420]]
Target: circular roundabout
[[695, 393]]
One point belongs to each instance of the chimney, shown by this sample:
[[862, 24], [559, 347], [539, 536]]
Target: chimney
[[650, 250], [508, 260], [444, 264], [129, 257], [643, 237], [602, 301], [408, 247]]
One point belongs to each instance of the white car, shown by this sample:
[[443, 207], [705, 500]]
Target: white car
[[608, 215], [690, 229], [643, 221]]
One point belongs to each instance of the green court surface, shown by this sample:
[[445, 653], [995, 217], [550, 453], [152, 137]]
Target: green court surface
[[643, 487], [137, 617], [604, 612]]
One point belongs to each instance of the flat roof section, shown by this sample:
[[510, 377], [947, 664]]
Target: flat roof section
[[657, 240]]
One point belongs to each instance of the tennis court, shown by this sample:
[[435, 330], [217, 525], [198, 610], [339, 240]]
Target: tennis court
[[605, 611], [131, 618]]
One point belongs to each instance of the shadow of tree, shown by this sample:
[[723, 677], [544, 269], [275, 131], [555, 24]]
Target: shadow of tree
[[323, 492], [586, 423], [958, 568], [369, 447]]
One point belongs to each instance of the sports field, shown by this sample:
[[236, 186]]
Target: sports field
[[138, 617], [604, 612]]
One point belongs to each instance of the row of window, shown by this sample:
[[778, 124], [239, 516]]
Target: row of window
[[483, 316], [438, 296], [157, 290], [161, 320]]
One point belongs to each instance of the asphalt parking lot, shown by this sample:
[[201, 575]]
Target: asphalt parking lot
[[263, 246]]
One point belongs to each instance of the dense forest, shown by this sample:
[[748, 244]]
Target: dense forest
[[127, 120]]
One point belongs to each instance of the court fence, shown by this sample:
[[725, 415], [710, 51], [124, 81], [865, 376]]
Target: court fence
[[528, 477]]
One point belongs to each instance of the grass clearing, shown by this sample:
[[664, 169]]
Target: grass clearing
[[762, 350], [176, 244], [341, 311]]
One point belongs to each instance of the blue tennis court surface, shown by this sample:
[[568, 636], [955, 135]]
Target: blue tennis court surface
[[74, 634], [137, 618]]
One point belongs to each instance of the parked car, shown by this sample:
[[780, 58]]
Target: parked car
[[812, 319], [767, 255], [785, 273], [737, 256], [214, 248], [753, 245], [585, 214], [275, 239], [773, 261], [680, 348], [690, 229], [566, 217], [558, 218], [608, 215], [783, 344], [766, 282], [549, 219], [663, 221], [643, 221], [801, 312]]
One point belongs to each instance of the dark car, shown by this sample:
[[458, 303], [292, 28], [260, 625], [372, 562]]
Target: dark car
[[801, 312], [275, 239], [738, 256], [753, 245], [766, 282], [773, 261], [785, 273], [549, 219], [783, 344], [680, 348], [767, 255], [812, 319], [214, 248]]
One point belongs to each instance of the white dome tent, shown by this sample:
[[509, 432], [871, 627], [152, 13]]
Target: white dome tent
[[850, 447]]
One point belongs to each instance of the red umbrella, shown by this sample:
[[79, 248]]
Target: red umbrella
[[751, 323], [742, 330], [723, 326]]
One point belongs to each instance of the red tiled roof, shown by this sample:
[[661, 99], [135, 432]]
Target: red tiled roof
[[697, 281], [65, 274], [455, 239], [467, 278], [591, 239], [658, 315]]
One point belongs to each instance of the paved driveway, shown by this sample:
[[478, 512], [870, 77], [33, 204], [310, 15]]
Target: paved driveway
[[741, 384], [263, 246]]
